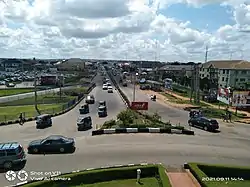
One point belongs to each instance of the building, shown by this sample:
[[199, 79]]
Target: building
[[73, 64], [11, 65], [227, 73], [48, 80]]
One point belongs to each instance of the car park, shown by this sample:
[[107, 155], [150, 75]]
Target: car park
[[43, 121], [204, 123], [84, 123], [110, 89], [90, 99], [12, 154], [52, 144], [84, 109]]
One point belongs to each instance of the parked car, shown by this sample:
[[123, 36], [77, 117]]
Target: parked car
[[102, 103], [52, 144], [43, 121], [11, 155], [204, 123], [90, 99], [84, 123]]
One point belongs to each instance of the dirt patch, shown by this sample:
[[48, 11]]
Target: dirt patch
[[181, 179]]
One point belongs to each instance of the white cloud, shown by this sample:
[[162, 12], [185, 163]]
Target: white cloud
[[117, 29]]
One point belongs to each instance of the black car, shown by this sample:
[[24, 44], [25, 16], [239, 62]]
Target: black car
[[52, 144], [43, 121], [204, 123], [84, 123]]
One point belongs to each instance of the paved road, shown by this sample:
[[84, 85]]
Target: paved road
[[177, 116], [171, 150]]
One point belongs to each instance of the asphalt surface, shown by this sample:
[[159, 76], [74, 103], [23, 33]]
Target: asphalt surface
[[177, 116], [171, 150], [107, 150]]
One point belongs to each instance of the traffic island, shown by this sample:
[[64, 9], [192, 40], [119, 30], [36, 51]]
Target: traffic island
[[209, 175], [130, 121], [146, 175]]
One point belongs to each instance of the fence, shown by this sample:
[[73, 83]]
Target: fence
[[31, 112]]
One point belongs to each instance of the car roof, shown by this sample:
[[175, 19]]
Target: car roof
[[9, 145], [43, 115], [56, 137]]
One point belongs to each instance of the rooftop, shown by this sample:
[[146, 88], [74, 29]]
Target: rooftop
[[228, 64]]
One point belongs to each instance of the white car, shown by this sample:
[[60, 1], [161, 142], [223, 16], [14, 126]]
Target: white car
[[104, 87], [109, 84], [110, 89]]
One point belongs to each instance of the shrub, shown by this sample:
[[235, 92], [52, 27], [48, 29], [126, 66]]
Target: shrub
[[102, 175], [109, 124], [126, 116]]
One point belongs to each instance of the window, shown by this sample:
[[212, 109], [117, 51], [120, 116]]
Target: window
[[244, 72], [2, 153], [11, 152], [236, 79], [224, 71], [242, 80], [223, 78], [226, 79], [227, 71]]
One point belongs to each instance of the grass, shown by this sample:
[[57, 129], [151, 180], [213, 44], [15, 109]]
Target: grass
[[131, 119], [152, 175], [12, 112], [41, 99], [14, 91], [145, 182], [236, 176]]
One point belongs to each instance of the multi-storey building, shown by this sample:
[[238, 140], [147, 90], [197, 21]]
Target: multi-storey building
[[227, 73]]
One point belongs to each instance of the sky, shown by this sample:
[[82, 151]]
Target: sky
[[165, 30]]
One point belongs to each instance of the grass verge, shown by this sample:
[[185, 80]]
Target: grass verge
[[153, 175], [9, 113], [14, 91], [145, 182], [132, 119], [220, 175], [41, 99]]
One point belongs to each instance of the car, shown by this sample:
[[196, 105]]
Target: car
[[84, 123], [90, 99], [52, 144], [204, 123], [108, 84], [43, 121], [110, 89], [102, 103], [104, 87], [12, 154], [102, 111], [84, 109], [124, 84]]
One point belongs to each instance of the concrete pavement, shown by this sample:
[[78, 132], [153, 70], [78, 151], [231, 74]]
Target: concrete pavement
[[109, 150]]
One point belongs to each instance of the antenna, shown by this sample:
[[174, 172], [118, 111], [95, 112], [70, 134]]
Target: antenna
[[206, 53]]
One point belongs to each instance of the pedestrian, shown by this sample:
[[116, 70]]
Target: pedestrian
[[230, 116], [21, 119]]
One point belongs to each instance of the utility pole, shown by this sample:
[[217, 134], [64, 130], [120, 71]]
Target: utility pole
[[134, 90], [60, 87], [35, 85]]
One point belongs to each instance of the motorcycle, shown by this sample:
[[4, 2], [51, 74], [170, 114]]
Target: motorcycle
[[153, 97]]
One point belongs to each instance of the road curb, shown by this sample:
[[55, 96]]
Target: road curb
[[88, 169], [53, 115], [142, 130], [245, 122]]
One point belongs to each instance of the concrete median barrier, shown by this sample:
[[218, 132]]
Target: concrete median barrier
[[141, 130]]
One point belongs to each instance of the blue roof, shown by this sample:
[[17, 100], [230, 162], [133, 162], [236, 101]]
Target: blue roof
[[10, 145]]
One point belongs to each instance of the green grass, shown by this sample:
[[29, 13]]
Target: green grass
[[14, 91], [41, 99], [12, 112], [145, 182], [236, 176]]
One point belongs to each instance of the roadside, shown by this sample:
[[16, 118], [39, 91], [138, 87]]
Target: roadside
[[180, 102], [14, 91], [47, 104]]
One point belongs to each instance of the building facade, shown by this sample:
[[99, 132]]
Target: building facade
[[231, 73]]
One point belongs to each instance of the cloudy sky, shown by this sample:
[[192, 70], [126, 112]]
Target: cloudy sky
[[165, 30]]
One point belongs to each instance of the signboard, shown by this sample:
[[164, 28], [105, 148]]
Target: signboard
[[223, 95], [241, 98], [139, 106]]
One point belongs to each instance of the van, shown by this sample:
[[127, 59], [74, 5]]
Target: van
[[11, 155]]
